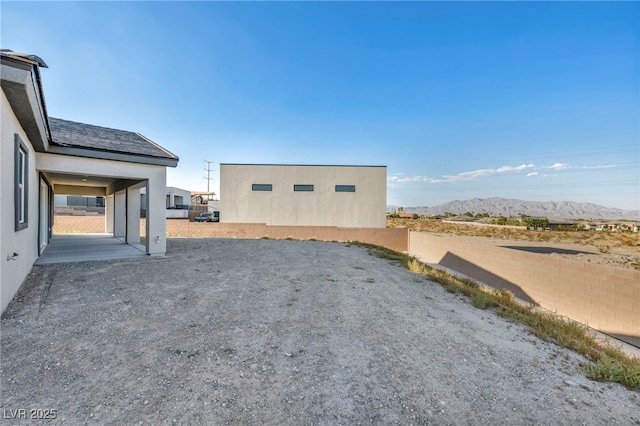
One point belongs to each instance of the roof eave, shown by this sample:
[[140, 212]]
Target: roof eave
[[113, 156], [21, 85], [301, 165]]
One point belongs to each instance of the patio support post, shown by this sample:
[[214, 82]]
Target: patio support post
[[156, 214], [133, 215], [108, 214], [119, 216]]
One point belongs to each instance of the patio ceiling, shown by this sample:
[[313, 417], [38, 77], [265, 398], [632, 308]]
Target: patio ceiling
[[81, 180], [82, 184]]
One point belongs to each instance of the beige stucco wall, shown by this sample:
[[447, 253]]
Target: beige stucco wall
[[604, 297], [364, 208], [25, 241]]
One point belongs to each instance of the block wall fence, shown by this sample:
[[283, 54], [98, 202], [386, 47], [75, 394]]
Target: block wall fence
[[78, 224], [393, 238], [604, 297]]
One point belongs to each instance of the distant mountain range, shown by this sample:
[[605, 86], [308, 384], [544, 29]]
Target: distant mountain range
[[508, 207]]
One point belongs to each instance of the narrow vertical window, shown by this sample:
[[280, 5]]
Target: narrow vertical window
[[21, 190]]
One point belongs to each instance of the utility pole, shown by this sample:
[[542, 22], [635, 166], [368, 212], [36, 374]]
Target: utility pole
[[208, 177]]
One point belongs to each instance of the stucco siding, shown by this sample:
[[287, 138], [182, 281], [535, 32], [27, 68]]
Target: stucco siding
[[25, 241], [364, 208]]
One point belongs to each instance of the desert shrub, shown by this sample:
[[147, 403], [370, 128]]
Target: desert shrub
[[483, 300]]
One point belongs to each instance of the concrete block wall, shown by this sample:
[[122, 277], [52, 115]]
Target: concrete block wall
[[603, 297], [393, 238], [78, 224]]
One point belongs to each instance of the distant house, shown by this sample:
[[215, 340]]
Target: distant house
[[200, 198], [561, 224], [304, 195], [43, 156], [177, 198], [401, 215], [630, 226], [461, 218], [611, 226], [78, 201], [178, 202]]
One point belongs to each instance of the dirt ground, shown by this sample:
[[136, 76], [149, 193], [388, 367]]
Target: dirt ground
[[621, 249], [278, 332]]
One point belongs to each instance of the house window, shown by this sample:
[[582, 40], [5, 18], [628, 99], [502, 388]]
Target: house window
[[303, 187], [345, 188], [21, 182], [261, 187]]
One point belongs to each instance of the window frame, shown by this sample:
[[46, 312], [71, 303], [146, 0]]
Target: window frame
[[21, 184], [303, 187], [262, 187], [345, 188]]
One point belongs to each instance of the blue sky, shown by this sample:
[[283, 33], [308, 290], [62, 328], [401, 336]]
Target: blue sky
[[535, 101]]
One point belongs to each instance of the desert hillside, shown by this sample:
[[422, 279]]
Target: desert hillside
[[512, 207]]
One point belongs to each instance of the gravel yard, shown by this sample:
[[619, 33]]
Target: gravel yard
[[278, 332]]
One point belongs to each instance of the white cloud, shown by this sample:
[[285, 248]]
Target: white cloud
[[505, 169], [463, 176], [479, 173], [565, 166], [558, 166], [396, 178], [604, 166], [485, 172], [469, 175]]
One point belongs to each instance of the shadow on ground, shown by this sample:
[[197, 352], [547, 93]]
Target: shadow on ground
[[546, 250]]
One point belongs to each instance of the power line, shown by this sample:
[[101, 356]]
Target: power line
[[208, 177]]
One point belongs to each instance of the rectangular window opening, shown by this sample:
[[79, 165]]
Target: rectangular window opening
[[345, 188], [21, 182], [303, 188], [261, 187]]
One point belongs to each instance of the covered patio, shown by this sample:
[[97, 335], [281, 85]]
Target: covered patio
[[88, 160]]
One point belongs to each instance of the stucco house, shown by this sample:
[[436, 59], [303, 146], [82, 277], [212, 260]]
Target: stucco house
[[42, 156], [304, 195], [177, 202]]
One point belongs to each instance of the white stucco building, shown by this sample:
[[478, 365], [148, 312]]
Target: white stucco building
[[178, 202], [42, 156], [304, 195]]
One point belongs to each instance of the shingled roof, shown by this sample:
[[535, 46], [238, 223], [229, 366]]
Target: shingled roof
[[86, 136], [19, 55]]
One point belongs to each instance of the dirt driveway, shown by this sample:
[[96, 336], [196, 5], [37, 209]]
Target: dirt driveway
[[278, 332]]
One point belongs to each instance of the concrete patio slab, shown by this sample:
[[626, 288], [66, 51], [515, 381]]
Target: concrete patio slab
[[84, 247]]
